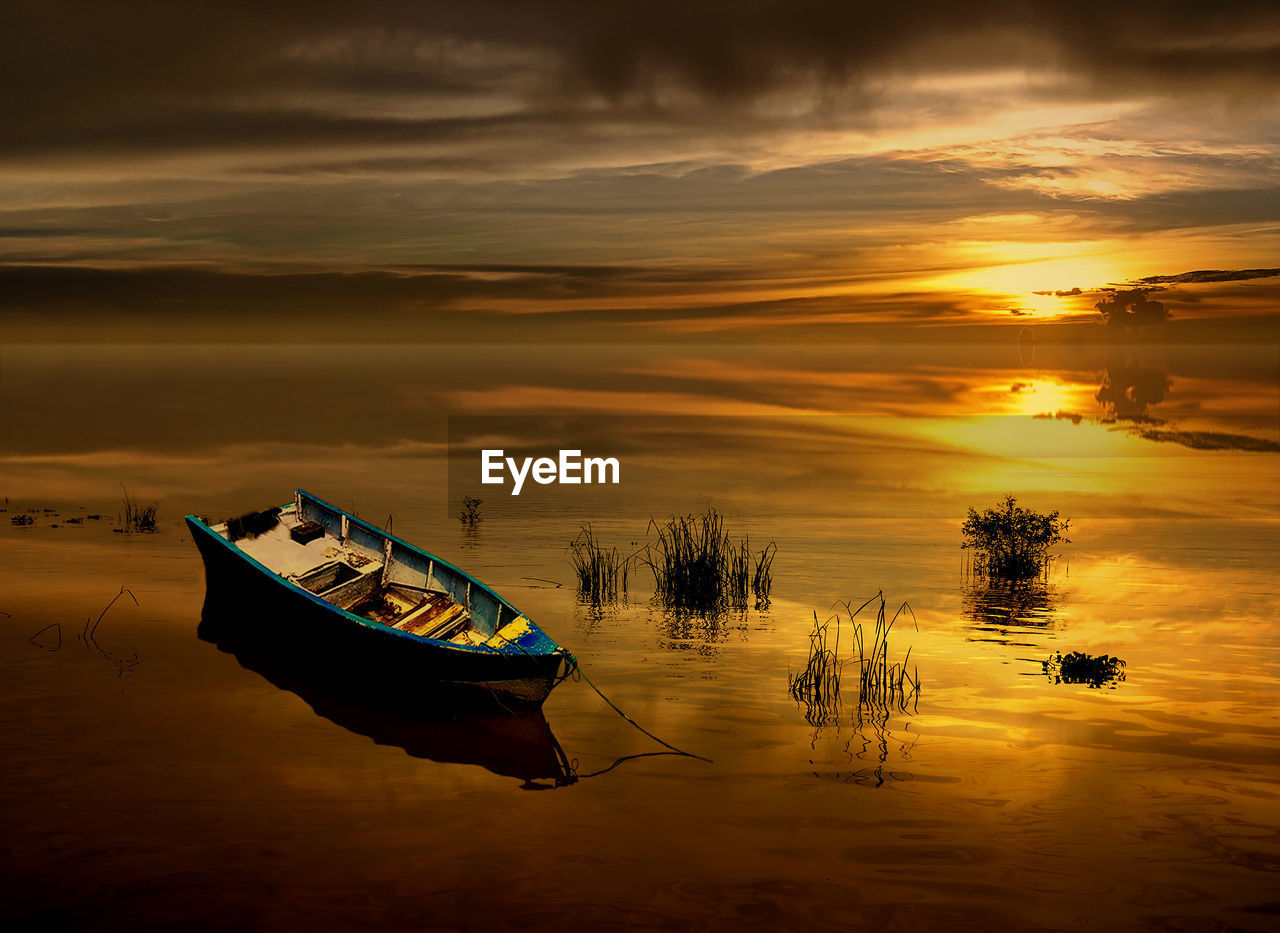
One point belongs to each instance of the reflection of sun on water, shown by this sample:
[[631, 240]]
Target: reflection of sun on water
[[1041, 397]]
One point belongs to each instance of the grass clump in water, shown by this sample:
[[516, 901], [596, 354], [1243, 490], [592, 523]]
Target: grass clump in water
[[139, 517], [601, 572], [696, 565], [818, 685], [1076, 667], [1012, 543], [883, 686]]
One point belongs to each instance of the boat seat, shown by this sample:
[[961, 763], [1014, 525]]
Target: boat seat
[[429, 615], [449, 623], [345, 595]]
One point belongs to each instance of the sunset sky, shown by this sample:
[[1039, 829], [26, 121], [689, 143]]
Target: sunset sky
[[674, 169]]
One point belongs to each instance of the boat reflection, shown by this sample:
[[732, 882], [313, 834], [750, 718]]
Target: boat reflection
[[432, 722]]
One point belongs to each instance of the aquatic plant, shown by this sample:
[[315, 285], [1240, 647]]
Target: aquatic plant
[[470, 513], [882, 686], [1076, 667], [818, 685], [1012, 543], [601, 572], [138, 517], [695, 564]]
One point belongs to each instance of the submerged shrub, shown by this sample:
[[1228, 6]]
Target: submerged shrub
[[1012, 543], [1076, 667], [470, 512]]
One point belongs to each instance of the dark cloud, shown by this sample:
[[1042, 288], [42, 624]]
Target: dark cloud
[[179, 290], [84, 75], [1210, 440], [1209, 275]]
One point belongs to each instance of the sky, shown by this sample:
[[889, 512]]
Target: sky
[[691, 170]]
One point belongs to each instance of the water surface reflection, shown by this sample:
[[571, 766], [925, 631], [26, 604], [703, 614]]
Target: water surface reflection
[[432, 722], [1007, 613]]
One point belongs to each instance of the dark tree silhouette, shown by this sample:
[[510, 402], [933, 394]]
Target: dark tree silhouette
[[1010, 542], [1131, 307]]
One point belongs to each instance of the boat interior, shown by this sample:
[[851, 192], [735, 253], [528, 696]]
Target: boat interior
[[360, 569]]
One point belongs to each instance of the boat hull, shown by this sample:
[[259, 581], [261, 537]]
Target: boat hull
[[258, 604]]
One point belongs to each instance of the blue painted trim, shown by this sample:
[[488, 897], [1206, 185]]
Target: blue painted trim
[[197, 524]]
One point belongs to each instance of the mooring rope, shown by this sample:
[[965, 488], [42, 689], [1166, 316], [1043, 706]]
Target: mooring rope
[[575, 668]]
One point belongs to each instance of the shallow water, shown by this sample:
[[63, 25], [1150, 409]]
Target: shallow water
[[154, 781]]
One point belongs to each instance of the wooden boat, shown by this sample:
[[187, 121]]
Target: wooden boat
[[351, 598]]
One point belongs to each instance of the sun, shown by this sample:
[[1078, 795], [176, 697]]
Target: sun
[[1034, 279]]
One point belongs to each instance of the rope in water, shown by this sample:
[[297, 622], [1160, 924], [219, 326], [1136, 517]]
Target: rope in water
[[574, 668]]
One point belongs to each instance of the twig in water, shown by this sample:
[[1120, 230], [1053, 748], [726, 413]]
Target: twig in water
[[57, 627], [89, 632]]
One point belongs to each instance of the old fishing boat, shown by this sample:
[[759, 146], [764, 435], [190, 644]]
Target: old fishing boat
[[345, 595]]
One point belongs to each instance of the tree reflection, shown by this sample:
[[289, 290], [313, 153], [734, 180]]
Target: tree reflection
[[1006, 611], [1128, 392]]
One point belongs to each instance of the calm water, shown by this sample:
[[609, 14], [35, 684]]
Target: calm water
[[153, 781]]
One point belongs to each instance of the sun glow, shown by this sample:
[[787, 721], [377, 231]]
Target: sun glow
[[1035, 286]]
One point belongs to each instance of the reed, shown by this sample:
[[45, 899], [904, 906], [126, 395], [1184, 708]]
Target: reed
[[818, 685], [883, 686], [138, 517], [601, 572], [762, 576], [696, 565]]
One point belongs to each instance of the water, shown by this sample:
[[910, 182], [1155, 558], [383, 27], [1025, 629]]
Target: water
[[154, 781]]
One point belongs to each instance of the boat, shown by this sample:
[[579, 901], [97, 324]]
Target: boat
[[349, 599]]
